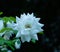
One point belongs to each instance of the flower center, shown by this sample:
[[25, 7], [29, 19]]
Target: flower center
[[27, 26]]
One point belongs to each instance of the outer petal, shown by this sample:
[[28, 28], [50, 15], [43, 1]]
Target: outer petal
[[17, 19], [34, 31], [17, 45], [7, 35], [37, 19], [8, 24], [25, 38], [41, 25], [9, 51], [11, 25], [18, 35], [25, 32], [28, 38], [32, 14], [34, 36], [3, 49], [23, 15], [1, 24]]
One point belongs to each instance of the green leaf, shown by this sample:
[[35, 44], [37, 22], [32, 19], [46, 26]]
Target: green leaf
[[12, 18], [5, 19], [1, 13], [2, 41], [41, 32], [10, 44], [34, 41], [6, 29]]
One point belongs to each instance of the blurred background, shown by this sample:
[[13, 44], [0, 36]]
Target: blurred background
[[48, 11]]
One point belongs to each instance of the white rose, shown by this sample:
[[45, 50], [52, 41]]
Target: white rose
[[28, 26]]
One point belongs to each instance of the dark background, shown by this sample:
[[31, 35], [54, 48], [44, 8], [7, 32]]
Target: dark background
[[48, 11]]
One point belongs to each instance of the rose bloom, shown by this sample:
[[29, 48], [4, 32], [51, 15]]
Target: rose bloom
[[28, 26]]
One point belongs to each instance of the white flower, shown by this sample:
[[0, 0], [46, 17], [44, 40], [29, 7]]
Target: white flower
[[1, 27], [17, 44], [11, 25], [28, 26], [1, 24], [8, 34], [9, 51], [3, 49]]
